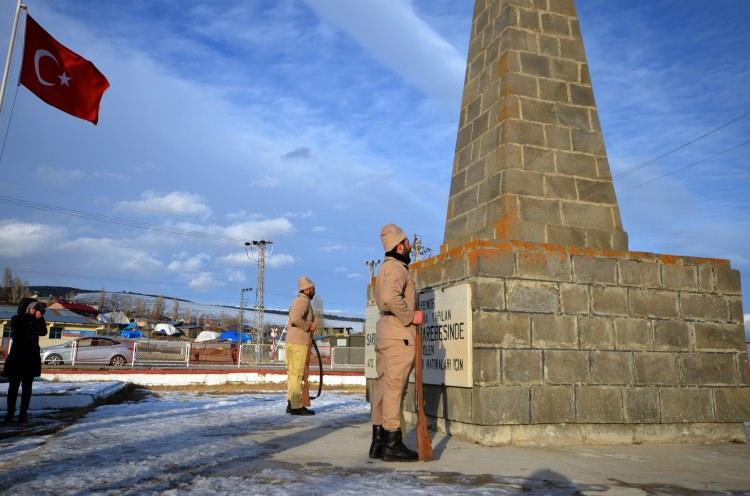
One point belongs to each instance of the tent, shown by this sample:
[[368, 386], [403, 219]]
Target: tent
[[207, 336], [118, 318], [167, 329], [132, 334], [233, 336]]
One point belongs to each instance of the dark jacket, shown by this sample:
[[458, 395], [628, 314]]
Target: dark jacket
[[23, 359]]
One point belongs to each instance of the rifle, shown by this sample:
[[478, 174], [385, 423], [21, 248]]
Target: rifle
[[424, 447]]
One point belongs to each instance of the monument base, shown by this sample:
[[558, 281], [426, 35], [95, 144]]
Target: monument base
[[542, 435], [577, 346]]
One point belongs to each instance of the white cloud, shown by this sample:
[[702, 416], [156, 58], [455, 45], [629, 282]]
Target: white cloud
[[265, 182], [62, 175], [190, 264], [333, 248], [235, 276], [174, 203], [302, 214], [747, 327], [273, 260], [244, 215], [260, 229], [354, 275], [394, 34], [18, 238], [339, 270], [203, 280], [281, 260], [318, 229], [110, 255], [238, 259]]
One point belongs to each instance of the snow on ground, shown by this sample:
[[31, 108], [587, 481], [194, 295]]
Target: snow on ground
[[187, 443], [42, 387], [50, 396]]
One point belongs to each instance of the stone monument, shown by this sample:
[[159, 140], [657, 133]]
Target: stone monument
[[542, 328]]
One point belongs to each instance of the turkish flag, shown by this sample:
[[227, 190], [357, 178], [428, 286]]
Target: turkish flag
[[60, 76]]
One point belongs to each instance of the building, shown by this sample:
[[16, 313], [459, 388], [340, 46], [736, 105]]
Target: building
[[62, 325], [79, 308]]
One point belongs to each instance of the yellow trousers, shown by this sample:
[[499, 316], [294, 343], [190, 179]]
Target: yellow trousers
[[295, 356], [393, 362]]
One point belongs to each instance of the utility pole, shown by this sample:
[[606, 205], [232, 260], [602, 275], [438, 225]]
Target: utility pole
[[372, 265], [257, 250], [242, 308]]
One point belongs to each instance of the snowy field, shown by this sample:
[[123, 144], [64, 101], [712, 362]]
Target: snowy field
[[178, 443]]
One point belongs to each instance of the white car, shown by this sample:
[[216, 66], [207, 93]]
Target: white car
[[93, 349]]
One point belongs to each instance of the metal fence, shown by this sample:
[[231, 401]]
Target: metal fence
[[259, 354], [181, 354], [347, 357], [161, 353]]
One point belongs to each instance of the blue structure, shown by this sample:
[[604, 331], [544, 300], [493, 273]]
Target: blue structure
[[234, 336]]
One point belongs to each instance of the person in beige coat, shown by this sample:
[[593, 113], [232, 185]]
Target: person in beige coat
[[299, 334], [394, 345]]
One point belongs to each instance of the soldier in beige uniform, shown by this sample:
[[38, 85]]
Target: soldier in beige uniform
[[299, 334], [394, 347]]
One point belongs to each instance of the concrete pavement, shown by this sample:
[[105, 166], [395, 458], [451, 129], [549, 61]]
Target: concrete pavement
[[633, 469]]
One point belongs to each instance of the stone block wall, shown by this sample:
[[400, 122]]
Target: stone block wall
[[568, 337], [530, 162]]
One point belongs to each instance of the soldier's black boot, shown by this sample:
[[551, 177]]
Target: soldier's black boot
[[302, 411], [288, 406], [395, 450], [376, 447]]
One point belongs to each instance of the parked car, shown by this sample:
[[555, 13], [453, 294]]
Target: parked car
[[95, 349]]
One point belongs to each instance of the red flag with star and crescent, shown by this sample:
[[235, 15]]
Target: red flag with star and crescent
[[59, 76]]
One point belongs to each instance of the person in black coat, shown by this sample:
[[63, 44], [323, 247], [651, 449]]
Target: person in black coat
[[23, 362]]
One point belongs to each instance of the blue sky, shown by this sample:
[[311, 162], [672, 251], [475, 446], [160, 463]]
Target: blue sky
[[314, 122]]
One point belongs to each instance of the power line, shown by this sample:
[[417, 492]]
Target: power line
[[160, 283], [71, 212], [685, 167], [119, 279], [684, 145], [47, 207]]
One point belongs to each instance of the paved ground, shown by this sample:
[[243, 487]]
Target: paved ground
[[642, 469], [187, 443]]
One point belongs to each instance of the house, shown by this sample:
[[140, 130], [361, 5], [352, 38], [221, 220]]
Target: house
[[79, 308], [62, 325]]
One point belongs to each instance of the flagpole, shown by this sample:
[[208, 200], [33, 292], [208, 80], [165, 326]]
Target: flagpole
[[8, 56]]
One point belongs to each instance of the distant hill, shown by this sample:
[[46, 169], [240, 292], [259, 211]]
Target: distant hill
[[59, 291]]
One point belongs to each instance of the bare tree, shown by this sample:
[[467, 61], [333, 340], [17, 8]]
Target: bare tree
[[102, 300], [7, 285], [175, 309], [230, 321], [19, 289], [140, 308], [158, 309], [127, 304], [317, 305]]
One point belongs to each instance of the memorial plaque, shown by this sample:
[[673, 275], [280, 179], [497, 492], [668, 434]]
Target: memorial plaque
[[372, 314], [446, 337]]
